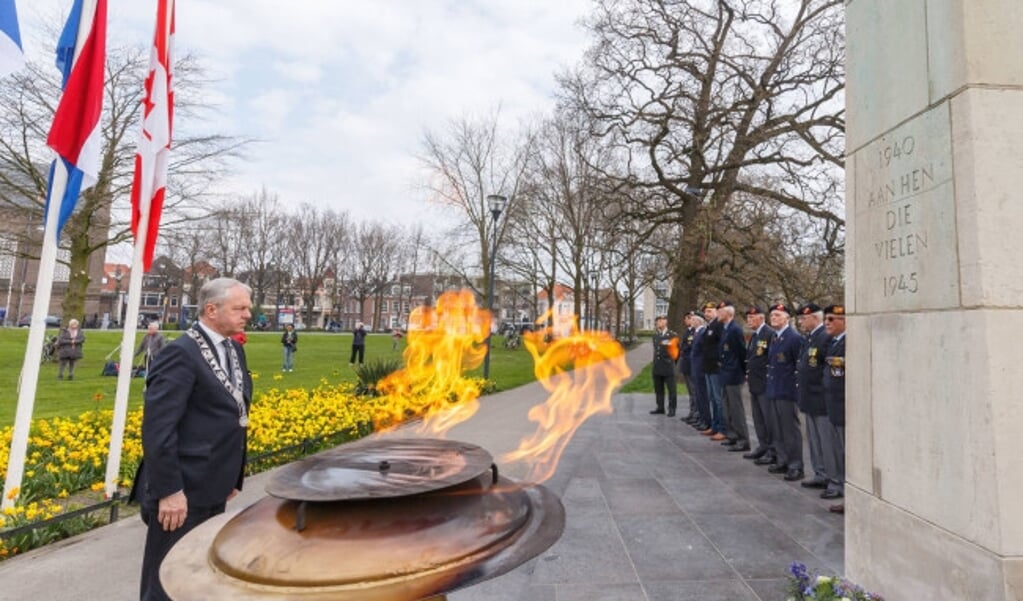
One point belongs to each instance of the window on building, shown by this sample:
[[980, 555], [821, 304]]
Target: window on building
[[383, 306], [8, 246], [174, 301], [62, 273], [150, 299]]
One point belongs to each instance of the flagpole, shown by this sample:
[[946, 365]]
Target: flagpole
[[29, 380], [127, 354]]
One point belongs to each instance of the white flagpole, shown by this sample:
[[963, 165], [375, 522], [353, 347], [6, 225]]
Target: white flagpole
[[29, 380], [127, 354]]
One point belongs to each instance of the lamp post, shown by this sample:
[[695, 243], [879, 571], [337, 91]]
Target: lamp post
[[497, 203], [594, 287], [118, 276]]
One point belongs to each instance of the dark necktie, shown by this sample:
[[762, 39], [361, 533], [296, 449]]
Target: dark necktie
[[228, 367]]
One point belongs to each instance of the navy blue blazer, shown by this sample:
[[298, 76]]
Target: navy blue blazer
[[191, 437], [783, 353]]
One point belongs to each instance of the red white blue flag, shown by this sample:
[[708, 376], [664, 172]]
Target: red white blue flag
[[12, 56], [75, 134], [149, 185]]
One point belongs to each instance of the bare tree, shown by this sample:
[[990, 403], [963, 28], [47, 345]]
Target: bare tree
[[263, 235], [27, 103], [312, 235], [467, 163], [376, 257], [704, 97]]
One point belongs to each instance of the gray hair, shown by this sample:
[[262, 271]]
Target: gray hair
[[698, 318], [215, 292]]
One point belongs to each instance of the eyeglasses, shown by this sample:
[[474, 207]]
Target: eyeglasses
[[833, 318]]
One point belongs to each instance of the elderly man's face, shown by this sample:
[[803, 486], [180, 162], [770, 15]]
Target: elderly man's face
[[779, 319], [755, 321]]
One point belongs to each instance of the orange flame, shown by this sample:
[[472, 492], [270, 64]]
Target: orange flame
[[581, 371], [442, 342]]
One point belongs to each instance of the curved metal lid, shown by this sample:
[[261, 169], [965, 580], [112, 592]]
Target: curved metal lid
[[400, 549], [380, 469]]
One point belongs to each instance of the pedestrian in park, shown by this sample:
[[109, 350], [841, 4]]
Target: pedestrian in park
[[783, 353], [396, 337], [194, 426], [834, 393], [152, 343], [666, 347], [69, 349], [358, 344], [289, 340]]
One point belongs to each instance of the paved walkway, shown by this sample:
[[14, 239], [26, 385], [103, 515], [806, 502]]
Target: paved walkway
[[655, 512]]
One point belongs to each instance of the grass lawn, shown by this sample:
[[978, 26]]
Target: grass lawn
[[644, 382], [321, 355]]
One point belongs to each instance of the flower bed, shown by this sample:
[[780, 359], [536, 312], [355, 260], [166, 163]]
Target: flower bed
[[817, 587], [66, 457]]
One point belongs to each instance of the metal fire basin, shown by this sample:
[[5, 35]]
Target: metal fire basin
[[391, 548]]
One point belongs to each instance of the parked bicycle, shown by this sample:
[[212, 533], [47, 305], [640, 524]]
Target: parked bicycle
[[49, 350], [513, 340]]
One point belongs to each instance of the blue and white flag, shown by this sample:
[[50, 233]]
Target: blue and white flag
[[12, 57]]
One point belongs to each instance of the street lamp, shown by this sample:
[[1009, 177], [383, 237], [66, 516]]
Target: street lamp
[[497, 203], [595, 288]]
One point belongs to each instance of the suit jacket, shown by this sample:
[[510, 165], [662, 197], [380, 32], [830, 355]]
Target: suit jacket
[[191, 438], [685, 360], [732, 355], [712, 346], [783, 353], [756, 359], [696, 353], [810, 373], [834, 380], [664, 364]]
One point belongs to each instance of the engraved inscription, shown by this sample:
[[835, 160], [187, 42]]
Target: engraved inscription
[[905, 218]]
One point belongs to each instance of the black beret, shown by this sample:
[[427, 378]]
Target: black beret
[[754, 310], [834, 310], [781, 307], [809, 308]]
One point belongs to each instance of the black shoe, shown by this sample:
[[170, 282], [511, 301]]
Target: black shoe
[[692, 421], [701, 426], [757, 454], [814, 484], [687, 417], [739, 448], [794, 475], [766, 461], [729, 443], [778, 469], [831, 494], [657, 412], [671, 414]]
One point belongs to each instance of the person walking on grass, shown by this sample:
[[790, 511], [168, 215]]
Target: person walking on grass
[[69, 349], [289, 340], [358, 344]]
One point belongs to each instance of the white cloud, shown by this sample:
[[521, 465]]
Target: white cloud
[[342, 91]]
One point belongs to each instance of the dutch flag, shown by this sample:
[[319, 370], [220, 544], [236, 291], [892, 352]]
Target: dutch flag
[[75, 134], [11, 55]]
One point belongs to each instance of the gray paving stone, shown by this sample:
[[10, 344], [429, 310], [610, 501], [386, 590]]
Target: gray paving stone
[[709, 590], [613, 592], [770, 590], [707, 495], [638, 497], [755, 547], [671, 548]]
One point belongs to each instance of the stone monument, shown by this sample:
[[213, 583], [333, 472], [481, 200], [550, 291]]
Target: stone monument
[[934, 504]]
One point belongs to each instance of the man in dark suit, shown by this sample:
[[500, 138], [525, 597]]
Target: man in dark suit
[[685, 365], [820, 432], [194, 424], [764, 420], [732, 354], [664, 366], [783, 353], [834, 395], [712, 367]]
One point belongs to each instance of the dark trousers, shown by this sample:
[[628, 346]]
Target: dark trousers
[[358, 351], [159, 543], [790, 440], [735, 414], [662, 382], [763, 416], [698, 389], [694, 411]]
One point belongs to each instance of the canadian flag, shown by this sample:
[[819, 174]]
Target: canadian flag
[[150, 182]]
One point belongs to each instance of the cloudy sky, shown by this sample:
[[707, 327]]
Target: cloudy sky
[[341, 91]]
